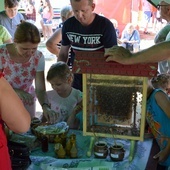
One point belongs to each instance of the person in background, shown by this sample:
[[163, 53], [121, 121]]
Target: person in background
[[12, 114], [85, 31], [47, 15], [54, 42], [64, 100], [30, 12], [160, 22], [158, 115], [22, 64], [147, 13], [65, 13], [10, 17], [115, 24], [40, 12], [154, 19], [5, 36], [130, 37]]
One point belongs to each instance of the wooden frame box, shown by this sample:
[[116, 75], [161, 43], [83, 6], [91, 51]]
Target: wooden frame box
[[114, 96]]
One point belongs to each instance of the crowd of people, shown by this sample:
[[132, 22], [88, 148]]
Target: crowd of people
[[22, 66]]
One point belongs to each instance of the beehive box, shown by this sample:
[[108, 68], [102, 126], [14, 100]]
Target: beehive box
[[114, 96]]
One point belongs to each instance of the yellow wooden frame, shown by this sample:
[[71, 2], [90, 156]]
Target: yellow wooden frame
[[142, 124]]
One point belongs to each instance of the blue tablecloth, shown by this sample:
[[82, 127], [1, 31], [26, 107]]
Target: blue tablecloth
[[49, 161]]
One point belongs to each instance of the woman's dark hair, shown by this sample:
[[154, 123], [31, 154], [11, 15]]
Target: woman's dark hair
[[27, 32]]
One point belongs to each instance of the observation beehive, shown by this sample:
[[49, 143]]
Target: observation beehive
[[114, 96]]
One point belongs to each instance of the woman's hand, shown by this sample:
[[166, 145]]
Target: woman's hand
[[26, 98], [50, 115]]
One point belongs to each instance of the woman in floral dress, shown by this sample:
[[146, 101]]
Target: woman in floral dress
[[22, 64]]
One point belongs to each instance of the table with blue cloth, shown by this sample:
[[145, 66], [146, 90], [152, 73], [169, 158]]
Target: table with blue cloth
[[49, 161]]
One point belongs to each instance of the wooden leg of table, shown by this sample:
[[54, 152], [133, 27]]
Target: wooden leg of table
[[132, 150]]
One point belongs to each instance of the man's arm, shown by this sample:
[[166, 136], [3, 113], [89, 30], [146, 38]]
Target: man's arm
[[63, 55], [52, 42], [155, 53]]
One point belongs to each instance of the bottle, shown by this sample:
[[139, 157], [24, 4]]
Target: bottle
[[61, 153], [73, 151], [72, 139], [44, 144], [57, 139], [68, 147], [63, 139]]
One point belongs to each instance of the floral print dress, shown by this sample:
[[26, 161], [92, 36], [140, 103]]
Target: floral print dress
[[20, 75]]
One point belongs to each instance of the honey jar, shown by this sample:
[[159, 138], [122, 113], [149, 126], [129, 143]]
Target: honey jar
[[100, 149]]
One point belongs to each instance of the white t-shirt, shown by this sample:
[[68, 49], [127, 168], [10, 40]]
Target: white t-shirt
[[64, 106]]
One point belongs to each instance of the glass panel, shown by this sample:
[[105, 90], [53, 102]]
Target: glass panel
[[114, 104]]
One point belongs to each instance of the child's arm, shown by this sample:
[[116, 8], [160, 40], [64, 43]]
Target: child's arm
[[72, 121], [164, 102], [163, 154]]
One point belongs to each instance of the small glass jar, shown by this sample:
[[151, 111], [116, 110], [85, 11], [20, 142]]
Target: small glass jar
[[117, 152], [100, 149]]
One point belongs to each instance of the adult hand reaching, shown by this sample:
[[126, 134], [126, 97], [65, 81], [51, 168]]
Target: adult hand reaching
[[118, 54], [50, 115]]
